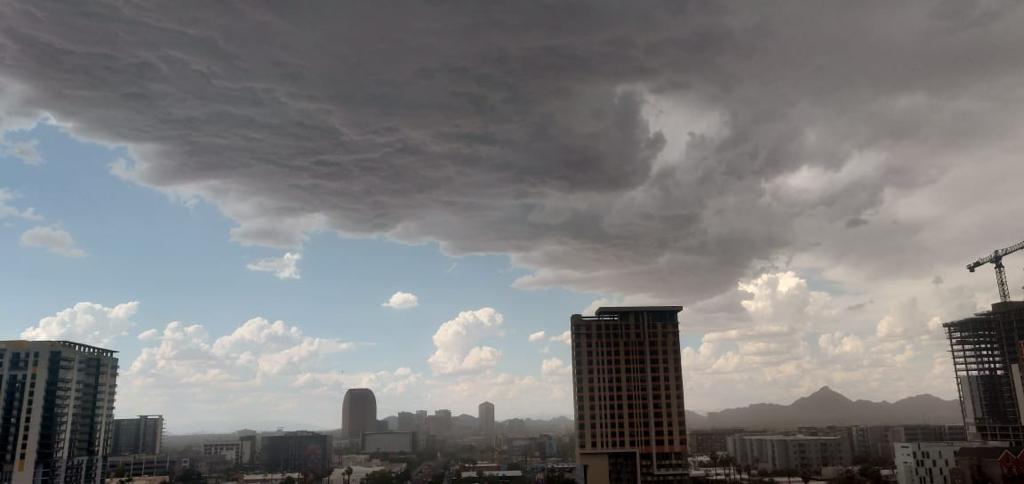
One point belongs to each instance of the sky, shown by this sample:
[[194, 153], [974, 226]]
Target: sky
[[261, 207]]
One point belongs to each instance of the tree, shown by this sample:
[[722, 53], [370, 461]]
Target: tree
[[348, 474], [870, 473], [189, 476], [382, 476]]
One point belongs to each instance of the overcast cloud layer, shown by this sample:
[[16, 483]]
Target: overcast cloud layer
[[655, 152]]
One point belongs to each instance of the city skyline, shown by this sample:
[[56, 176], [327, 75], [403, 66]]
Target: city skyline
[[265, 216]]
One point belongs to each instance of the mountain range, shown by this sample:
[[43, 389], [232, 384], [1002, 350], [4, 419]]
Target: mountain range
[[828, 407]]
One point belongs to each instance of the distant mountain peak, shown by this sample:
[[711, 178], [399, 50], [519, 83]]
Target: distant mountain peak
[[829, 407], [824, 396]]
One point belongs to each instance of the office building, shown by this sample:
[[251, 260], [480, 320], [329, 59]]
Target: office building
[[806, 453], [56, 411], [987, 355], [389, 442], [141, 435], [485, 417], [248, 449], [231, 450], [306, 452], [358, 413], [441, 424], [407, 422], [929, 462], [628, 394]]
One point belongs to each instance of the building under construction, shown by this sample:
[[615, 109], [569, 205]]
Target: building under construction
[[988, 355]]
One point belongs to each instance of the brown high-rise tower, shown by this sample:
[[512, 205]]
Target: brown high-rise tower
[[628, 390], [358, 413]]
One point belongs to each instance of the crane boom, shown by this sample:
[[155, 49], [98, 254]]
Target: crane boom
[[996, 259]]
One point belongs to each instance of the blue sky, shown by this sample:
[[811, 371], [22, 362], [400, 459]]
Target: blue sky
[[175, 257]]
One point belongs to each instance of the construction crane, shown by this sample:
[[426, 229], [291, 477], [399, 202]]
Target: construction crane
[[996, 259]]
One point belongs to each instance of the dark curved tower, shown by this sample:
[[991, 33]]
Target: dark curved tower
[[358, 413]]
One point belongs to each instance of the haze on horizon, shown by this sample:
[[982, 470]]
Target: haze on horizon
[[260, 207]]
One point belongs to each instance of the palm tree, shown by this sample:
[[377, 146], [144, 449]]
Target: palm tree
[[348, 474]]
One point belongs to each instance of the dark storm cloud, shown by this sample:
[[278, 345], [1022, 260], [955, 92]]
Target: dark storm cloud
[[528, 128]]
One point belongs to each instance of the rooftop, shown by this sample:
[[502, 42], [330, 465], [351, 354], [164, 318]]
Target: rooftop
[[635, 309], [71, 344]]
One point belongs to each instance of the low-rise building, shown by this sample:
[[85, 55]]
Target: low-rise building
[[389, 442], [136, 465], [231, 450], [928, 462], [772, 453]]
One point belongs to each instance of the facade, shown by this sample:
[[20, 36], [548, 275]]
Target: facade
[[389, 442], [247, 450], [137, 465], [56, 411], [928, 462], [875, 443], [307, 452], [771, 453], [628, 395], [988, 352], [232, 451], [441, 424], [141, 435], [358, 413], [485, 415]]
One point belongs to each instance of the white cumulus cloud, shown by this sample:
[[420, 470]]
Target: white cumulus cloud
[[52, 238], [6, 210], [85, 322], [536, 337], [402, 300], [456, 342], [284, 267], [565, 337]]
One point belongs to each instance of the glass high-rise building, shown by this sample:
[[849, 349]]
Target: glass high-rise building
[[628, 393], [56, 411], [141, 435]]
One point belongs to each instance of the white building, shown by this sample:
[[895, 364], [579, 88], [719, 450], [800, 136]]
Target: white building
[[928, 462], [57, 411], [232, 451], [789, 452]]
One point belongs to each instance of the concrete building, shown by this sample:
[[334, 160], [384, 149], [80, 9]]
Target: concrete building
[[248, 450], [987, 359], [805, 453], [441, 424], [929, 462], [307, 452], [389, 442], [56, 411], [138, 465], [140, 435], [485, 416], [231, 450], [358, 413], [628, 395]]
